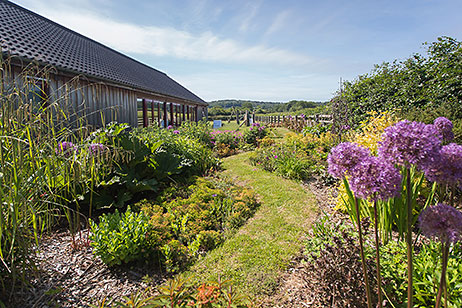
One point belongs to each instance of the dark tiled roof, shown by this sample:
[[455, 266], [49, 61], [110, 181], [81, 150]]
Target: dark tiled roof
[[31, 36]]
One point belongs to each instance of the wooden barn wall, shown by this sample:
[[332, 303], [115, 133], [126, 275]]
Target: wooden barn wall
[[97, 103]]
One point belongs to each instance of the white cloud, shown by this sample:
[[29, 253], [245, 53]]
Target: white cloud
[[160, 41], [278, 22], [251, 11]]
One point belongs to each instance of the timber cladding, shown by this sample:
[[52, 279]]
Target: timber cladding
[[93, 80]]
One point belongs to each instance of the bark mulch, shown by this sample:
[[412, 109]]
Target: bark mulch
[[71, 276]]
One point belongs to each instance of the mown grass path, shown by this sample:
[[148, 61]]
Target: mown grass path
[[262, 249]]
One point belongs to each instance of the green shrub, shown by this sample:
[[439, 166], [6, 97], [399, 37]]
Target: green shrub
[[200, 131], [189, 221], [286, 161], [255, 133], [230, 138], [328, 236], [417, 86], [179, 153], [394, 272], [121, 238]]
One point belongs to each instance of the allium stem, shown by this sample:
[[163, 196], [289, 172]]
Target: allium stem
[[443, 285], [363, 258], [409, 240], [377, 257]]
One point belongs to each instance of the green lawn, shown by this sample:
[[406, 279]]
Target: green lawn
[[229, 126], [261, 250]]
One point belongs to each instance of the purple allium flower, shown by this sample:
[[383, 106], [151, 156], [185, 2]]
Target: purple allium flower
[[344, 158], [441, 221], [169, 127], [176, 132], [444, 127], [448, 169], [410, 143], [275, 156], [375, 179], [96, 148], [66, 148]]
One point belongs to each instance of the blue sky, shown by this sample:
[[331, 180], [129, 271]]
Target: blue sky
[[260, 50]]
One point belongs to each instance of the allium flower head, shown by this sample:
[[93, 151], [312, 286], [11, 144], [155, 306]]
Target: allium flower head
[[443, 222], [96, 148], [66, 148], [375, 179], [444, 127], [344, 158], [410, 143], [448, 169], [176, 132]]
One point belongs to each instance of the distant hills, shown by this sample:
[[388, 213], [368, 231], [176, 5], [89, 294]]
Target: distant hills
[[230, 103], [223, 107]]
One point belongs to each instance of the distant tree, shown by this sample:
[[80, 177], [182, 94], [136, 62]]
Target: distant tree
[[247, 106]]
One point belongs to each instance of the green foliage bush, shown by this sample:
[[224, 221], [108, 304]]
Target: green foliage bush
[[421, 87], [425, 267], [184, 223], [201, 220], [255, 133], [200, 131], [326, 232], [298, 157], [121, 238], [149, 159], [286, 161]]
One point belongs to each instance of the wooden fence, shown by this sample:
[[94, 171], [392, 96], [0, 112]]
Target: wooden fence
[[323, 119]]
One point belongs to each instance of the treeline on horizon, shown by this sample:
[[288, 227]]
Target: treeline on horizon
[[231, 106], [419, 88]]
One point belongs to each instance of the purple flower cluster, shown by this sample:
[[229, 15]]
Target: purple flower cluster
[[257, 126], [374, 178], [444, 128], [96, 148], [410, 143], [66, 148], [344, 158], [443, 222], [448, 169], [229, 137], [176, 132]]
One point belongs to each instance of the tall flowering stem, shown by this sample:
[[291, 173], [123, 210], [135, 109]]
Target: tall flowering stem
[[411, 144], [377, 257], [344, 160], [442, 222], [375, 179], [443, 284], [363, 258], [410, 266]]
